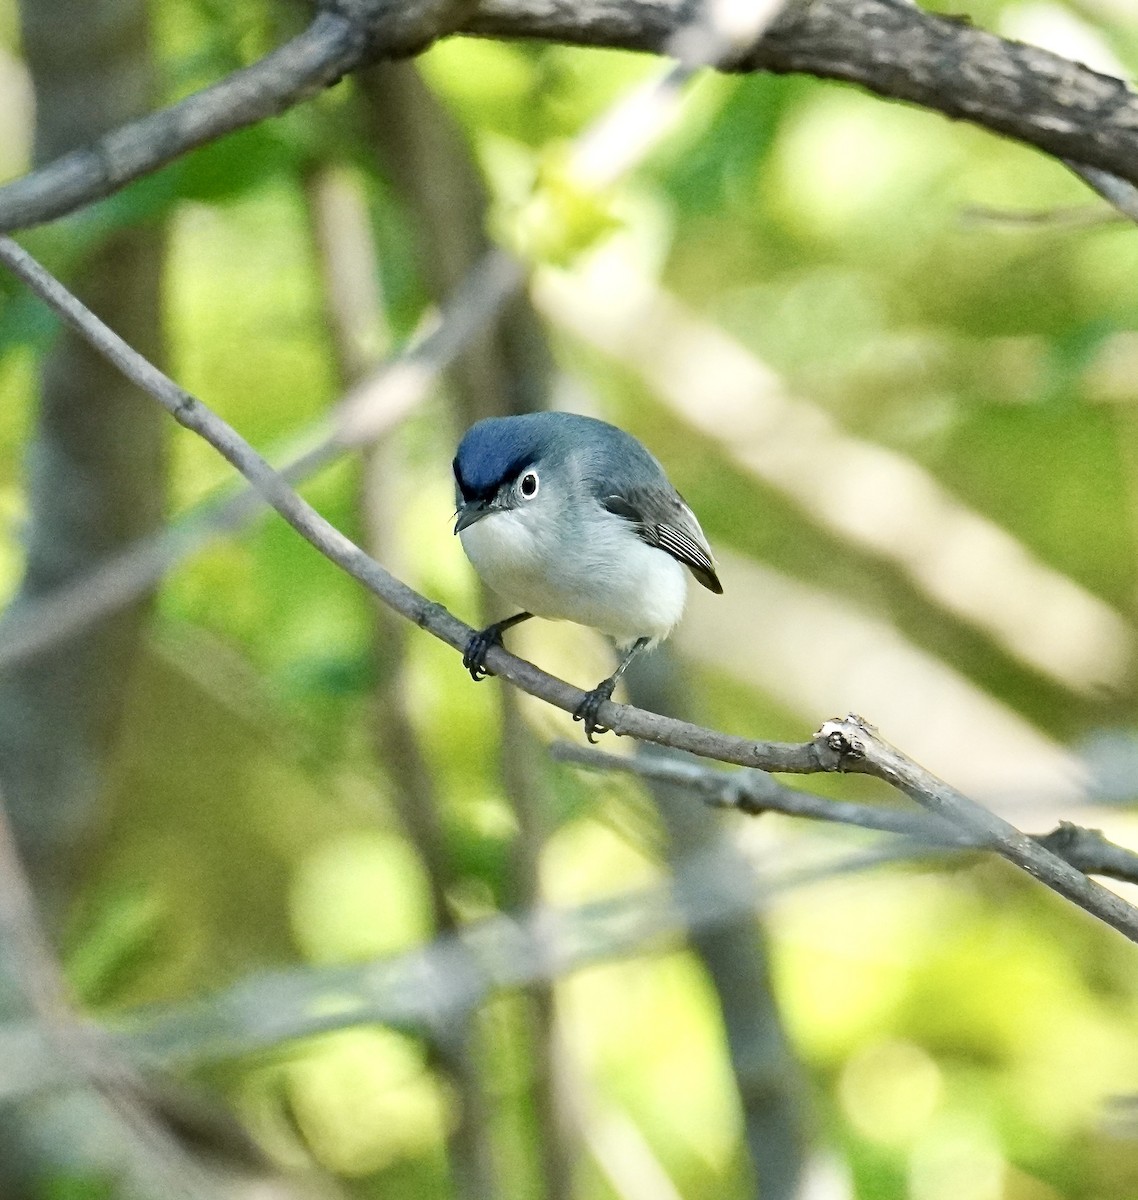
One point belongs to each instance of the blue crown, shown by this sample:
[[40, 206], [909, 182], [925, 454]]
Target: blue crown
[[496, 451]]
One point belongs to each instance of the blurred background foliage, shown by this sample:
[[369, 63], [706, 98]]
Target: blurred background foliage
[[908, 428]]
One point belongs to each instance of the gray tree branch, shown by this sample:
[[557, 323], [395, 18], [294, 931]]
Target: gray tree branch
[[890, 47], [755, 793], [846, 745], [859, 748]]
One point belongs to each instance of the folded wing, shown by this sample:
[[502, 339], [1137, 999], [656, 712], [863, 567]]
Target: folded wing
[[663, 520]]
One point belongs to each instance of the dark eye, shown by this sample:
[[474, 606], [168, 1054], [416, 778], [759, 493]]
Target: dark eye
[[528, 485]]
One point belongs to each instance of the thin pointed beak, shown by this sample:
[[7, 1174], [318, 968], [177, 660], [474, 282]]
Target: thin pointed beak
[[473, 510]]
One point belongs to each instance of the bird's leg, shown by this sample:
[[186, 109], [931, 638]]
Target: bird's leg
[[589, 707], [474, 656]]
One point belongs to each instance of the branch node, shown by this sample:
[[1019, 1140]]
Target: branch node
[[185, 408], [839, 742], [739, 796], [1065, 835], [396, 28], [429, 613]]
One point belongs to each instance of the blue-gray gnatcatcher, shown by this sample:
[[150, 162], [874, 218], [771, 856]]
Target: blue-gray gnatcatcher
[[572, 519]]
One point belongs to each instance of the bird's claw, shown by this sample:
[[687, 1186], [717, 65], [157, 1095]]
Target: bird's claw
[[588, 709], [474, 656]]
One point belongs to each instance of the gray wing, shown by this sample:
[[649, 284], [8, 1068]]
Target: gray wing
[[663, 520]]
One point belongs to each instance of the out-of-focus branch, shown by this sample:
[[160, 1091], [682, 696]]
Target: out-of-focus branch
[[96, 470], [423, 152], [528, 794], [25, 945], [735, 954], [504, 367], [348, 264], [1091, 851], [890, 47], [1073, 216], [756, 792], [847, 745], [427, 989]]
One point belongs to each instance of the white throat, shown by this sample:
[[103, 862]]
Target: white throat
[[599, 574]]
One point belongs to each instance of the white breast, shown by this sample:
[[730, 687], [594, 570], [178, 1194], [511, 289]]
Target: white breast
[[610, 579]]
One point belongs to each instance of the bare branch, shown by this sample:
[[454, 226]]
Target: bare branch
[[756, 792], [848, 745], [891, 47], [859, 748]]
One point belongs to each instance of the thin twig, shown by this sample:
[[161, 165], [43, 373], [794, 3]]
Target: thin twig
[[860, 748], [756, 792]]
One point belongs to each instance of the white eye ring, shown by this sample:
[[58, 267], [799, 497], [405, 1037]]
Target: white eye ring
[[528, 485]]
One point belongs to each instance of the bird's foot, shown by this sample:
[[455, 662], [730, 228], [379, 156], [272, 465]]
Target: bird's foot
[[474, 656], [588, 709]]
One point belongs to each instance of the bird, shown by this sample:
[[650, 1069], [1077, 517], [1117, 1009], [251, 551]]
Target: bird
[[573, 519]]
